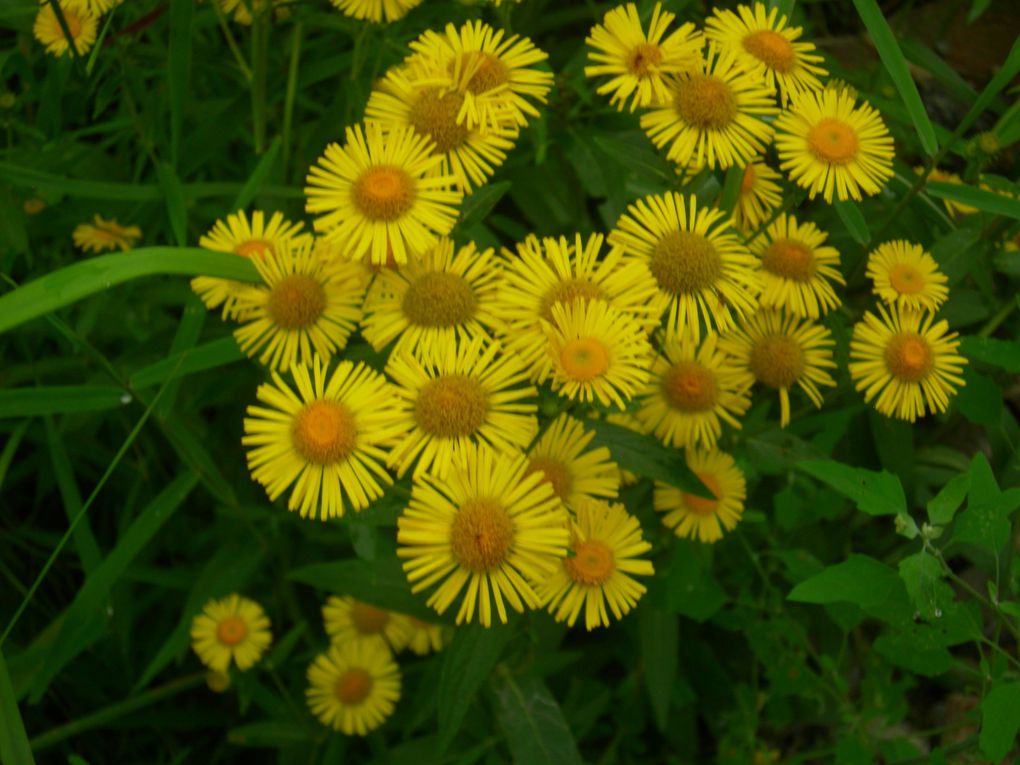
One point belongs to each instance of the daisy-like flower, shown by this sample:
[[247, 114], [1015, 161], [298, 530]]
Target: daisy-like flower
[[465, 393], [543, 273], [95, 7], [701, 518], [783, 351], [606, 544], [597, 353], [905, 361], [768, 48], [797, 268], [330, 436], [827, 144], [469, 155], [759, 196], [956, 209], [699, 264], [376, 10], [692, 391], [495, 77], [379, 196], [102, 235], [250, 239], [305, 307], [353, 687], [713, 116], [576, 472], [904, 273], [639, 62], [426, 637], [348, 620], [489, 526], [81, 23], [234, 629], [435, 301]]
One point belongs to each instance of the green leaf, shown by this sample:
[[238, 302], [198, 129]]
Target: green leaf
[[861, 580], [1004, 354], [173, 193], [257, 179], [979, 399], [905, 651], [466, 664], [87, 277], [14, 748], [1005, 74], [920, 54], [988, 201], [922, 576], [894, 62], [873, 493], [660, 638], [633, 150], [536, 731], [731, 189], [852, 217], [943, 506], [999, 720], [691, 589], [646, 456], [178, 69], [60, 399], [201, 358], [479, 204], [269, 733], [985, 520]]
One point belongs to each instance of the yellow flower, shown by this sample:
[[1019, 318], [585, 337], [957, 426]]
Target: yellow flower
[[692, 391], [597, 353], [713, 116], [905, 361], [699, 263], [495, 78], [783, 351], [701, 518], [305, 307], [759, 196], [329, 436], [605, 543], [348, 620], [489, 526], [33, 206], [102, 235], [466, 393], [80, 23], [576, 473], [768, 48], [955, 209], [797, 268], [828, 144], [250, 239], [545, 272], [905, 274], [435, 301], [639, 63], [379, 197], [234, 629], [96, 7], [376, 10], [427, 637], [353, 687]]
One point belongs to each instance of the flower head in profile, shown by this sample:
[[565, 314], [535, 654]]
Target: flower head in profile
[[102, 235], [348, 620], [759, 196], [954, 208], [231, 630], [376, 11], [426, 637], [704, 518], [353, 687], [563, 457], [639, 63], [906, 362], [904, 273], [82, 26], [488, 529]]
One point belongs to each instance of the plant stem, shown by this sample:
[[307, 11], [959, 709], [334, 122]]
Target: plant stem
[[259, 47], [232, 43], [288, 106]]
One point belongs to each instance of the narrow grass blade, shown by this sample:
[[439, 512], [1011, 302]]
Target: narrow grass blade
[[179, 69], [731, 188], [892, 57], [852, 217], [14, 748], [59, 399], [84, 541], [173, 192], [63, 287], [188, 330], [988, 201], [204, 357], [258, 177], [1002, 78], [11, 448]]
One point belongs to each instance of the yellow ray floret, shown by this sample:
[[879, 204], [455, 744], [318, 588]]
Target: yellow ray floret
[[354, 687], [759, 196], [232, 630], [702, 518], [904, 273], [102, 235], [575, 471], [376, 10]]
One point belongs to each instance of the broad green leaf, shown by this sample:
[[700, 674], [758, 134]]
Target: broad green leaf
[[692, 590], [852, 217], [943, 506], [87, 277], [979, 399], [481, 202], [988, 201], [896, 65], [60, 399], [660, 636], [873, 493], [645, 456], [863, 581], [999, 720], [14, 748], [731, 189], [985, 520], [904, 650], [633, 150], [1004, 354], [922, 576], [178, 69], [466, 665], [201, 358], [533, 723]]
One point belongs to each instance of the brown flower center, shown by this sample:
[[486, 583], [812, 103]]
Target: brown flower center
[[789, 259], [690, 387], [434, 114], [384, 193], [908, 357], [231, 631], [451, 406], [439, 299], [706, 102], [553, 471], [704, 505], [772, 49], [368, 620], [566, 292], [353, 686], [592, 563], [324, 432], [777, 361], [684, 262], [833, 141], [481, 535], [490, 73], [296, 302], [643, 58]]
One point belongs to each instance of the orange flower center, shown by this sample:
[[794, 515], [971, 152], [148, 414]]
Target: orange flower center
[[643, 59], [439, 299], [434, 114], [296, 302], [384, 193], [584, 359], [908, 357], [481, 535], [683, 262], [490, 72], [772, 49], [566, 292], [789, 259], [324, 432], [906, 279], [706, 102], [451, 406], [368, 620], [704, 505], [690, 387], [553, 471], [251, 247], [354, 686], [777, 361], [592, 563], [231, 631], [833, 141]]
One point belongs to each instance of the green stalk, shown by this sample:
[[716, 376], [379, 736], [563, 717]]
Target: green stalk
[[288, 107], [259, 50]]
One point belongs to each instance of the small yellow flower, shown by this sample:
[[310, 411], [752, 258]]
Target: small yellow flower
[[81, 23], [426, 637], [353, 687], [102, 234], [348, 620], [701, 518], [904, 273], [561, 455], [33, 206], [234, 629], [376, 10]]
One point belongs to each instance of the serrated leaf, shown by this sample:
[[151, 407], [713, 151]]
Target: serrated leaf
[[533, 724], [999, 720], [874, 493]]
